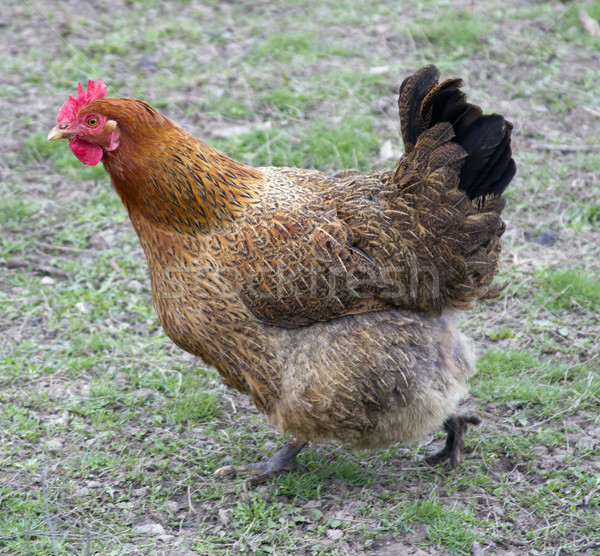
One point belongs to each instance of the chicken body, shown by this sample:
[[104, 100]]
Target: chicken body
[[330, 300], [366, 379]]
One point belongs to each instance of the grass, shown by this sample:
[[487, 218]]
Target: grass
[[107, 426], [570, 289], [39, 150], [567, 388], [459, 34]]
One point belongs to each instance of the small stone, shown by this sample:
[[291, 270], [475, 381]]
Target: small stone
[[80, 491], [148, 63], [80, 306], [172, 506], [476, 549], [54, 444], [334, 534], [585, 442], [539, 108], [165, 538], [235, 130], [140, 492], [230, 131], [378, 70], [151, 529], [94, 484], [63, 420], [589, 24], [547, 237], [224, 516], [48, 281], [539, 451]]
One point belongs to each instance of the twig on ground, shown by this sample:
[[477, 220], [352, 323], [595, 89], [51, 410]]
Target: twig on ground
[[37, 267], [113, 264], [190, 505], [62, 248], [588, 497], [591, 111]]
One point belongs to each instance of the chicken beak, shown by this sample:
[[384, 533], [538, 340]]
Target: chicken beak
[[57, 133]]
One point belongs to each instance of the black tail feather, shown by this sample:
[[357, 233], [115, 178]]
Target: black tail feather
[[412, 93], [423, 103]]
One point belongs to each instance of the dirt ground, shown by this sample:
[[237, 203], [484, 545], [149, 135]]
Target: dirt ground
[[528, 485]]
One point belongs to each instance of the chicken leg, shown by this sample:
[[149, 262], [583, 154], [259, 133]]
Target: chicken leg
[[283, 460], [455, 426]]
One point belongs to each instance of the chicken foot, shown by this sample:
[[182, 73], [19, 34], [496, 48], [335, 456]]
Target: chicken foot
[[455, 426], [282, 460]]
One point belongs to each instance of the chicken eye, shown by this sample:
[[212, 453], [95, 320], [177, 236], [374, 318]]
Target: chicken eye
[[93, 121]]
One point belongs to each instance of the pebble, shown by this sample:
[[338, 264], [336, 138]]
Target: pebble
[[334, 534], [148, 63], [173, 506], [378, 70], [140, 492], [235, 130], [224, 516], [230, 131], [151, 529], [585, 442], [54, 444], [48, 281], [80, 491], [547, 237]]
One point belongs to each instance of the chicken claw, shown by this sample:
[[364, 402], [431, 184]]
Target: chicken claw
[[455, 426], [283, 460]]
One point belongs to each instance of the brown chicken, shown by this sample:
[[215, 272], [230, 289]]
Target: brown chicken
[[330, 300]]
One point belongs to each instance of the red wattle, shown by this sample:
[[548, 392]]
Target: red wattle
[[86, 152]]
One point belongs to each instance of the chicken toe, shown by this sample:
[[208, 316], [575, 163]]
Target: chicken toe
[[283, 460], [455, 426]]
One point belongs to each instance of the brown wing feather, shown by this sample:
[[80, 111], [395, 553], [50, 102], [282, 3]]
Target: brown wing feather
[[424, 237], [298, 267]]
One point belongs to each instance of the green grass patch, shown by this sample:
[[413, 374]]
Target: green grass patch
[[39, 149], [457, 31], [349, 144], [549, 390], [568, 289], [15, 211], [295, 47]]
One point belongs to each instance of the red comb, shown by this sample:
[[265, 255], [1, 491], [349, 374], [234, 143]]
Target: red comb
[[69, 109]]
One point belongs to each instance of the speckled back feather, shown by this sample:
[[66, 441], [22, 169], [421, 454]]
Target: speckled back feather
[[425, 237]]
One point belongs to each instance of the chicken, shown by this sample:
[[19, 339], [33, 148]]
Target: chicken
[[331, 301]]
